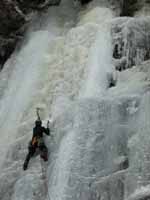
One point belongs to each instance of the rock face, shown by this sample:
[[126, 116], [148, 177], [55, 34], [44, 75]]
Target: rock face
[[26, 5], [130, 7], [13, 20]]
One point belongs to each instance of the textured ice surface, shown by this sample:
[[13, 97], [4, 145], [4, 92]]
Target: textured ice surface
[[141, 193], [100, 144], [131, 41], [94, 156]]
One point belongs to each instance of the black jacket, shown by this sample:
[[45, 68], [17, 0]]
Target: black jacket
[[39, 130]]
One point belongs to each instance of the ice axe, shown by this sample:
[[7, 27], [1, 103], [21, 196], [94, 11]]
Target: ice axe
[[37, 113]]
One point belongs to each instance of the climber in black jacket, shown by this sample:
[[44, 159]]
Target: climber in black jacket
[[37, 142]]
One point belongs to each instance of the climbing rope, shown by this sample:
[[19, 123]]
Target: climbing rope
[[45, 179]]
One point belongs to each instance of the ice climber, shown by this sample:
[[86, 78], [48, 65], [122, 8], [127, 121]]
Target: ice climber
[[37, 142]]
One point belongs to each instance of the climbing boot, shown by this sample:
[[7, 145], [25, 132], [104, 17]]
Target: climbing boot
[[25, 165]]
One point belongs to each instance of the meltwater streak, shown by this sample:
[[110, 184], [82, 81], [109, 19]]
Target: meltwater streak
[[99, 65], [21, 87]]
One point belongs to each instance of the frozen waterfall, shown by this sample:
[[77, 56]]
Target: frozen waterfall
[[24, 85], [82, 150], [99, 149], [99, 65], [21, 88]]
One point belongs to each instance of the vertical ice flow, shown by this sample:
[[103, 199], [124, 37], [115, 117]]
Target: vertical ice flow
[[99, 64], [22, 85], [63, 182]]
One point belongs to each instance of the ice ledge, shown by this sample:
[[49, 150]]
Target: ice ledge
[[142, 193]]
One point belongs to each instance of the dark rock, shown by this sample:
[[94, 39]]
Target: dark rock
[[11, 17], [27, 5], [124, 164], [85, 1], [112, 80], [117, 51], [7, 46], [130, 7], [14, 23]]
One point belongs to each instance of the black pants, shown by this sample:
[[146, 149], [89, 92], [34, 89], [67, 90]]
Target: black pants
[[31, 151]]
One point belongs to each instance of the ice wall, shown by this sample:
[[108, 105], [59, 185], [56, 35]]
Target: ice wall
[[100, 164], [99, 65], [25, 85], [82, 150], [138, 174], [99, 150]]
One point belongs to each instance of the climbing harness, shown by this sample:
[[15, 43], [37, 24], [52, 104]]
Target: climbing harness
[[34, 141]]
